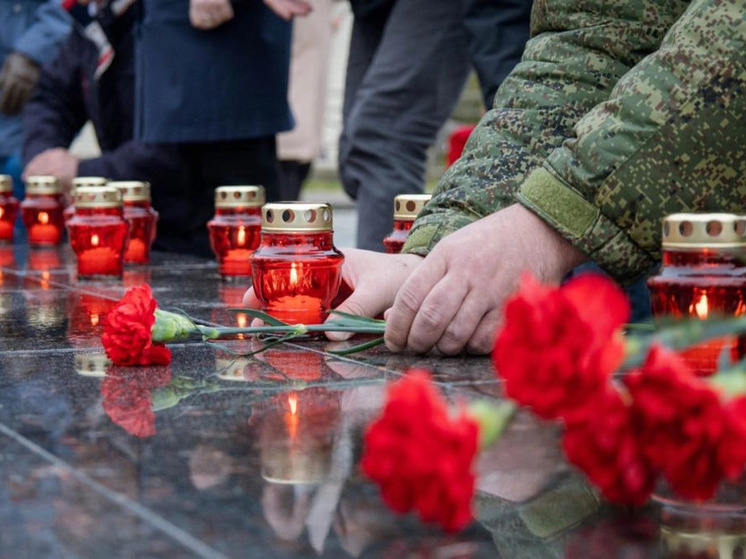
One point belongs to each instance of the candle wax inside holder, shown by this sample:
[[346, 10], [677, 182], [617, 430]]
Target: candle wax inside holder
[[142, 227], [299, 309], [701, 294], [99, 247], [6, 231]]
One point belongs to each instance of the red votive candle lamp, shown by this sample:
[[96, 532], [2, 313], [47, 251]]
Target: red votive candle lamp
[[98, 231], [296, 268], [235, 228], [703, 273], [141, 217], [78, 182], [8, 209], [41, 210], [406, 209]]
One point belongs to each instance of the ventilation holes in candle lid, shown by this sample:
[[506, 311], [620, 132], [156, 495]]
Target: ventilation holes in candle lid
[[714, 228], [686, 228], [310, 216], [288, 216]]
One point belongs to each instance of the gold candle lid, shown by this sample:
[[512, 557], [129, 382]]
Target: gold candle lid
[[98, 197], [408, 206], [6, 184], [239, 196], [132, 191], [77, 182], [296, 217], [43, 184], [716, 231]]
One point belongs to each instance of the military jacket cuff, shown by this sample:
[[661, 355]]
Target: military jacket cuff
[[430, 229], [584, 225]]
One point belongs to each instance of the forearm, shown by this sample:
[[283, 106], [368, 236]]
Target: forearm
[[669, 139], [562, 76]]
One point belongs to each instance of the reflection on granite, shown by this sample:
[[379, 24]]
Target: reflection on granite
[[226, 455]]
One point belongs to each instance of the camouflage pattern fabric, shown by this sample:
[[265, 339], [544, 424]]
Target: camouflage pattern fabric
[[621, 112]]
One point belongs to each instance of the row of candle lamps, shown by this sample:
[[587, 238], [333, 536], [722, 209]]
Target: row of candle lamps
[[286, 248]]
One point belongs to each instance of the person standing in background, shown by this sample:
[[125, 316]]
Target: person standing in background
[[408, 64], [309, 62], [30, 34], [212, 77]]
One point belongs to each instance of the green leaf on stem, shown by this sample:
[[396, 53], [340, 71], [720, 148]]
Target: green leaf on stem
[[357, 348]]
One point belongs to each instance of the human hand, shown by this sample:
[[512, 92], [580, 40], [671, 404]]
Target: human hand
[[58, 162], [454, 299], [209, 14], [287, 9], [17, 78], [374, 279]]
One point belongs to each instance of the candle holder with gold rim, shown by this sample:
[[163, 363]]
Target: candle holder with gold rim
[[98, 232], [75, 183], [296, 269], [406, 209], [42, 210], [703, 273], [235, 228], [142, 218], [8, 209]]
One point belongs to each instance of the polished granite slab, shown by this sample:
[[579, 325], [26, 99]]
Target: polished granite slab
[[203, 458]]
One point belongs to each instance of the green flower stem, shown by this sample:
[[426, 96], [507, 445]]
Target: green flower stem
[[681, 335], [493, 418], [214, 333]]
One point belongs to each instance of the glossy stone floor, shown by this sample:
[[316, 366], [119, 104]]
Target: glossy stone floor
[[205, 459]]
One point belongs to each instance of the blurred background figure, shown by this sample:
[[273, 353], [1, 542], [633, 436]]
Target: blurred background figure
[[408, 64], [309, 62], [212, 77], [30, 33], [93, 78]]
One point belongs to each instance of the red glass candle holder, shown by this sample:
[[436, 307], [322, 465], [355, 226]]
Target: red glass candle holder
[[406, 209], [296, 269], [703, 273], [42, 211], [78, 182], [142, 218], [235, 228], [8, 209], [98, 232]]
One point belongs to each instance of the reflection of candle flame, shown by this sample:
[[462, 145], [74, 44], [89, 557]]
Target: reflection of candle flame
[[94, 319], [701, 307], [241, 321], [43, 218], [293, 417], [2, 212], [94, 240], [45, 275], [241, 239]]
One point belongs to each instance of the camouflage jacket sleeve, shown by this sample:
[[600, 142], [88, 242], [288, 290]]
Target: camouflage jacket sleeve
[[672, 137], [578, 53]]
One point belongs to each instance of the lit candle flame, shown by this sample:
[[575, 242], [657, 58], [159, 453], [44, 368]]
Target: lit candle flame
[[43, 218], [2, 212], [241, 321], [94, 319], [701, 307], [293, 403], [293, 276], [94, 240], [241, 237]]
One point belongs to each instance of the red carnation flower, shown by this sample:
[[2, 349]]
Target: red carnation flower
[[128, 399], [421, 456], [604, 445], [127, 336], [559, 345], [686, 431]]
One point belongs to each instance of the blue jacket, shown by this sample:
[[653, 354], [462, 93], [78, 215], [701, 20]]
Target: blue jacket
[[228, 83], [34, 28], [68, 94]]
